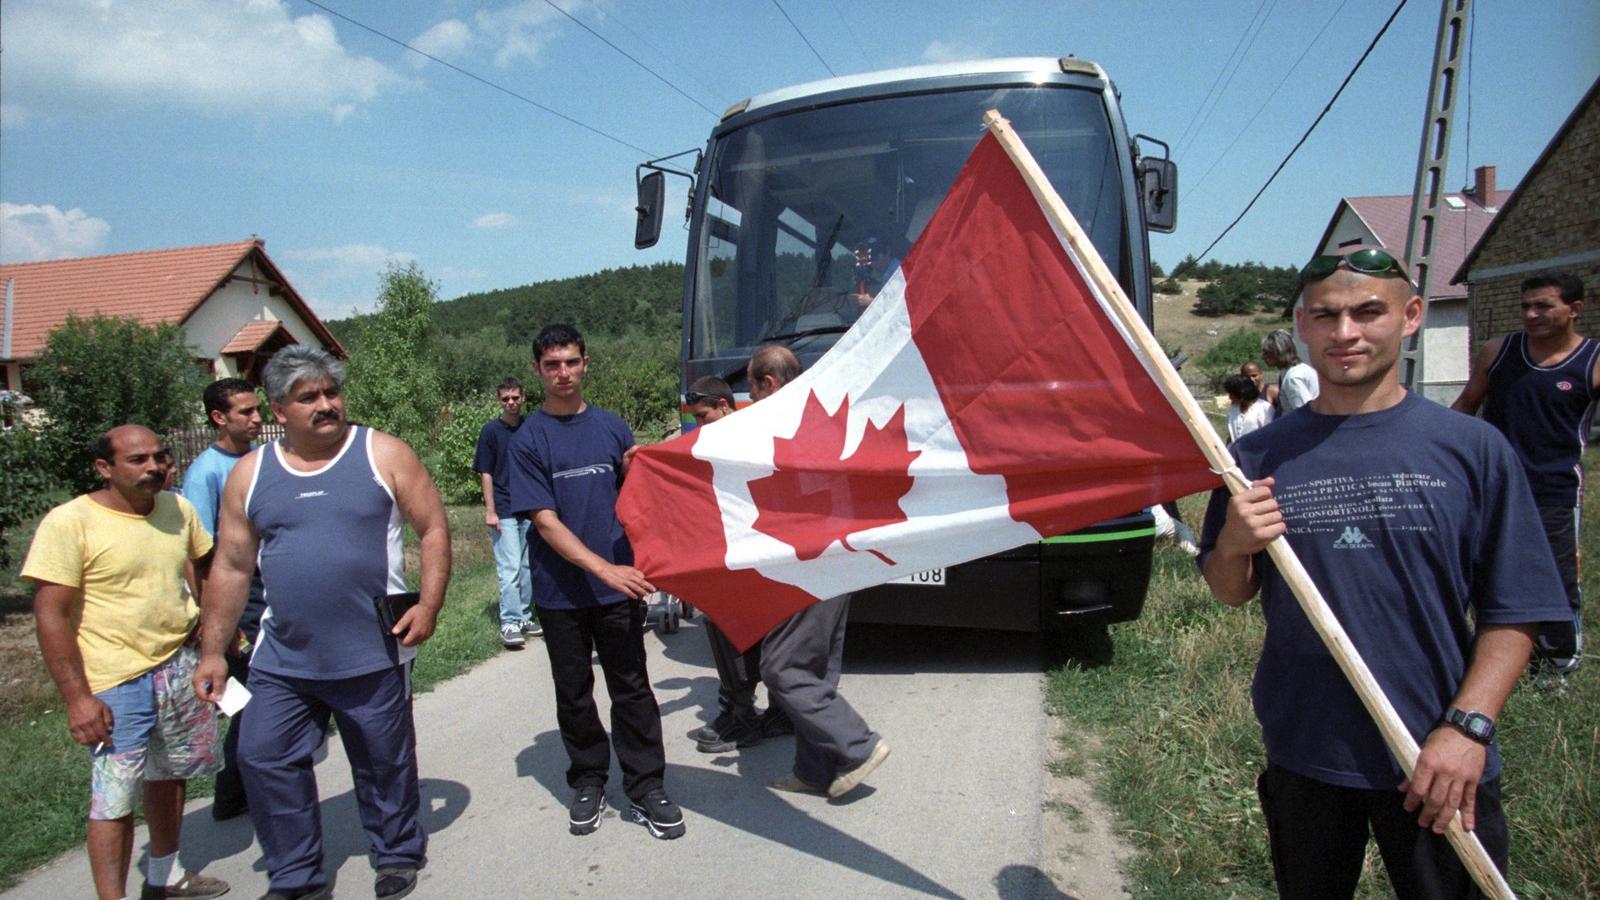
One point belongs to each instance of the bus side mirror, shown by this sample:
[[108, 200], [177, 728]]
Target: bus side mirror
[[652, 197], [1158, 191]]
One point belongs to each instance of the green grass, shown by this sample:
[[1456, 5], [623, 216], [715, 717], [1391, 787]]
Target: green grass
[[1181, 748], [44, 774]]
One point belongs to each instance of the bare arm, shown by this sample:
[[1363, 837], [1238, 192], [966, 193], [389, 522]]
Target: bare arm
[[422, 508], [1477, 387], [1451, 764], [554, 532], [226, 586], [1253, 521], [88, 719], [489, 516]]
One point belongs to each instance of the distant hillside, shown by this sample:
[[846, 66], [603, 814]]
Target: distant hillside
[[636, 299]]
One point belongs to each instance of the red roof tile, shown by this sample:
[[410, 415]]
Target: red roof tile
[[152, 286], [254, 334], [1455, 234]]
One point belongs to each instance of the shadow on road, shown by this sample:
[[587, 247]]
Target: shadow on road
[[739, 799]]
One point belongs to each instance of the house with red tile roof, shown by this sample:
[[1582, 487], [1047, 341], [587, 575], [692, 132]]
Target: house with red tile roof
[[233, 303], [1383, 220]]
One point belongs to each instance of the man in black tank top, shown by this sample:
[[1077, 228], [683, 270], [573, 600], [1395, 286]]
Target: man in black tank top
[[1539, 387]]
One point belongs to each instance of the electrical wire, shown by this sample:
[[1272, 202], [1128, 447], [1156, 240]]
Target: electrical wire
[[481, 80], [1225, 63], [1205, 119], [1195, 185], [854, 38], [1320, 116], [803, 37], [631, 58]]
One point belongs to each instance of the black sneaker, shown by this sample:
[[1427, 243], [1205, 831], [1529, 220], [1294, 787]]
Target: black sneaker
[[740, 731], [583, 817], [658, 814], [776, 723], [714, 731], [394, 882]]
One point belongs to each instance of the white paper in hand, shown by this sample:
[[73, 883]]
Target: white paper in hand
[[234, 697]]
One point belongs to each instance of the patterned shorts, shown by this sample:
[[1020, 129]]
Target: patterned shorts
[[160, 731]]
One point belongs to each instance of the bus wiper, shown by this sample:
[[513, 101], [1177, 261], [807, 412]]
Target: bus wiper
[[793, 336]]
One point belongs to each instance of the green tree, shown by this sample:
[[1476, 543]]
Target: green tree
[[24, 476], [393, 377], [101, 372]]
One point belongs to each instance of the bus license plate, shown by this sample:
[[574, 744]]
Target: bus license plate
[[925, 578]]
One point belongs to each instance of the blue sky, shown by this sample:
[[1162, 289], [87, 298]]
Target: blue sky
[[139, 125]]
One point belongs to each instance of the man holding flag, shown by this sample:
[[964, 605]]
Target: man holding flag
[[1404, 543]]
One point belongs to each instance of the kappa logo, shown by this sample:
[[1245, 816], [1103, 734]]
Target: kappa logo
[[596, 469], [1564, 385], [1352, 539], [306, 495]]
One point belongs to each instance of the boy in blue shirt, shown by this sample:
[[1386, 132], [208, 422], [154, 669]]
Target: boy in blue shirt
[[567, 461]]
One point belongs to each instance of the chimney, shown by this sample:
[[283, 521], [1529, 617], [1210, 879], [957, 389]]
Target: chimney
[[1483, 185]]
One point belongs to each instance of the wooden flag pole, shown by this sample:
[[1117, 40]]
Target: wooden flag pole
[[1400, 742]]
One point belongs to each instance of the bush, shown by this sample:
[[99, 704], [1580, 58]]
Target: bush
[[25, 490], [102, 372], [458, 444], [394, 380], [1228, 354], [1169, 286]]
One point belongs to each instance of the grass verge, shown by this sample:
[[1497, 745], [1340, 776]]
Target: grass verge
[[1181, 748], [44, 775]]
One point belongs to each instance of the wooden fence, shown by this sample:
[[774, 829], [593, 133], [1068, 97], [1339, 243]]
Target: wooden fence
[[188, 444]]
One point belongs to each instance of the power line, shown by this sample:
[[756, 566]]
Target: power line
[[622, 23], [1353, 70], [803, 37], [1206, 118], [1225, 63], [631, 57], [481, 80], [854, 39], [1195, 185]]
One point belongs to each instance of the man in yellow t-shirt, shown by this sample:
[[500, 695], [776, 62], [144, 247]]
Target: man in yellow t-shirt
[[114, 625]]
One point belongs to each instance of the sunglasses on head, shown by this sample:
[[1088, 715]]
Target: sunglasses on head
[[694, 397], [1367, 262]]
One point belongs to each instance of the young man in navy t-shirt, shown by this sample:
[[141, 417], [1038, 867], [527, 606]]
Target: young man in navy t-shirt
[[1411, 519], [567, 462], [508, 532]]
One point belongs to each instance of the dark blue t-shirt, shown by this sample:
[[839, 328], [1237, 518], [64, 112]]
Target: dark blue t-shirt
[[573, 465], [1406, 519], [493, 443]]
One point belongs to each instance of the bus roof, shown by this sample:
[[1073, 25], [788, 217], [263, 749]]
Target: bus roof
[[1041, 67]]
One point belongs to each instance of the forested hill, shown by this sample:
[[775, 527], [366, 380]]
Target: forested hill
[[613, 302]]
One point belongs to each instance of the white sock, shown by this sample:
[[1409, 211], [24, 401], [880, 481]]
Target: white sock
[[164, 871]]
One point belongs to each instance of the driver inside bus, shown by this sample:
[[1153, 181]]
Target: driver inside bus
[[875, 265]]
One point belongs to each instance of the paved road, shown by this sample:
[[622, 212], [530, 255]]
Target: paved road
[[955, 812]]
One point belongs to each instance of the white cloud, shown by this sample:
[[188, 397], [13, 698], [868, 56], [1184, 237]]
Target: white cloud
[[494, 220], [218, 56], [521, 30], [351, 258], [29, 233], [952, 51], [444, 40]]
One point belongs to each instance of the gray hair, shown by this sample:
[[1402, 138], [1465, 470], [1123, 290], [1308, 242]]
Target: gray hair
[[295, 363], [1280, 345]]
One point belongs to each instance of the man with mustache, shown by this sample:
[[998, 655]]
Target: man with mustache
[[322, 509], [115, 625]]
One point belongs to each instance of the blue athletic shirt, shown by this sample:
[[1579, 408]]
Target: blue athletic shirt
[[1406, 519], [203, 482], [330, 543], [494, 440], [1544, 411], [573, 465]]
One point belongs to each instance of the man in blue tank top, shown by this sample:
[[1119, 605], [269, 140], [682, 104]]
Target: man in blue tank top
[[322, 511], [1539, 388], [1396, 506], [567, 463]]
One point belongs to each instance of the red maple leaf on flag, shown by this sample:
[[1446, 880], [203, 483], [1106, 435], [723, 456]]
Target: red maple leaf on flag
[[815, 496]]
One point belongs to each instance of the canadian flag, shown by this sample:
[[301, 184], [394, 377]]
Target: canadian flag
[[987, 398]]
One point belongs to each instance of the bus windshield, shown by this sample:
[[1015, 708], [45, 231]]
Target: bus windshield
[[806, 214]]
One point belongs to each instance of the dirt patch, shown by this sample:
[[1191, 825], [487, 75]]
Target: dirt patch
[[25, 687], [1080, 853]]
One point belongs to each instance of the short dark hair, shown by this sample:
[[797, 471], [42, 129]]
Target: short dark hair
[[709, 388], [1567, 284], [557, 335], [1241, 386], [219, 394], [102, 449], [507, 384]]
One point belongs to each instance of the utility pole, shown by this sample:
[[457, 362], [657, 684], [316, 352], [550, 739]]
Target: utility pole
[[1433, 160]]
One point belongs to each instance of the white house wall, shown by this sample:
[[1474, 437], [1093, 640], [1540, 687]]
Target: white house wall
[[229, 308]]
